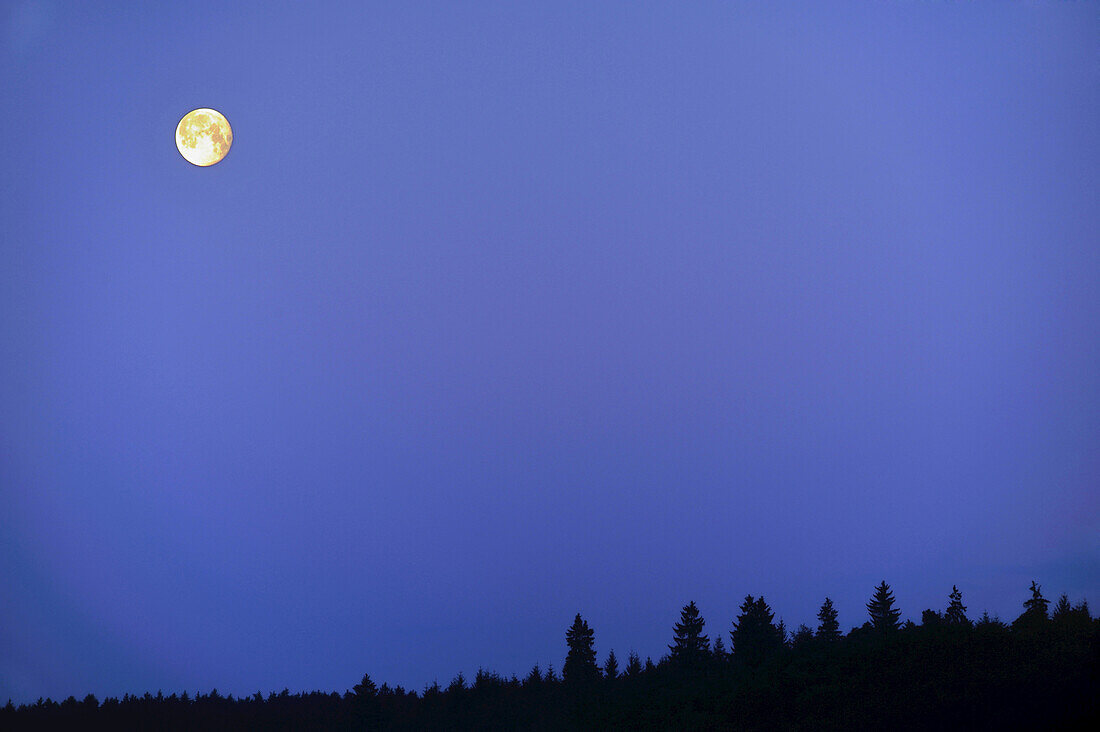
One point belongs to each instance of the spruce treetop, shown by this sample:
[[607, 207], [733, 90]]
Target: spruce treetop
[[611, 667], [828, 627], [719, 650], [689, 644], [633, 664], [956, 611], [802, 636], [1037, 605], [1063, 608], [754, 636], [884, 616], [580, 661], [365, 688]]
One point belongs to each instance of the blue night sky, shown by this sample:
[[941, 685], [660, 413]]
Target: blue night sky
[[497, 312]]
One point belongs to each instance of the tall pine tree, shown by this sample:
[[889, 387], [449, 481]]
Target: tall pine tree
[[1037, 605], [633, 665], [689, 645], [956, 611], [754, 636], [611, 668], [1035, 610], [1062, 609], [828, 628], [534, 678], [802, 637], [719, 650], [580, 661], [365, 689], [884, 616]]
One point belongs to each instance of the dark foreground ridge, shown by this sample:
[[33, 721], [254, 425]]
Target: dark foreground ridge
[[1040, 672]]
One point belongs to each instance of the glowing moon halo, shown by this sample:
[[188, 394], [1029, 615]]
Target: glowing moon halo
[[203, 136]]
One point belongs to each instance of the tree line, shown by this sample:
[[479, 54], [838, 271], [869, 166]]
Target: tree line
[[1040, 670]]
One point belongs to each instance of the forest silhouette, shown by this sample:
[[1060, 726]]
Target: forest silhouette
[[1041, 671]]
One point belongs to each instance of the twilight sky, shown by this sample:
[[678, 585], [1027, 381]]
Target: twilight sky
[[497, 312]]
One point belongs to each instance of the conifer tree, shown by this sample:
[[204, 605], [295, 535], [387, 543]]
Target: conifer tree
[[956, 611], [754, 636], [365, 688], [988, 622], [1075, 617], [1035, 611], [884, 616], [828, 628], [689, 645], [1037, 605], [802, 637], [485, 679], [611, 667], [1062, 609], [580, 662], [633, 665], [931, 619], [534, 676], [719, 650]]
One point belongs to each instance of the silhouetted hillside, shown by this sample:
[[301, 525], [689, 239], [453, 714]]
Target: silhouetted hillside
[[948, 672]]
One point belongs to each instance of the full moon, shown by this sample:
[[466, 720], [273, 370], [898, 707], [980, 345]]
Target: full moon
[[203, 136]]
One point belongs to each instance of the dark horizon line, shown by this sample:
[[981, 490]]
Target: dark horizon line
[[788, 639]]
